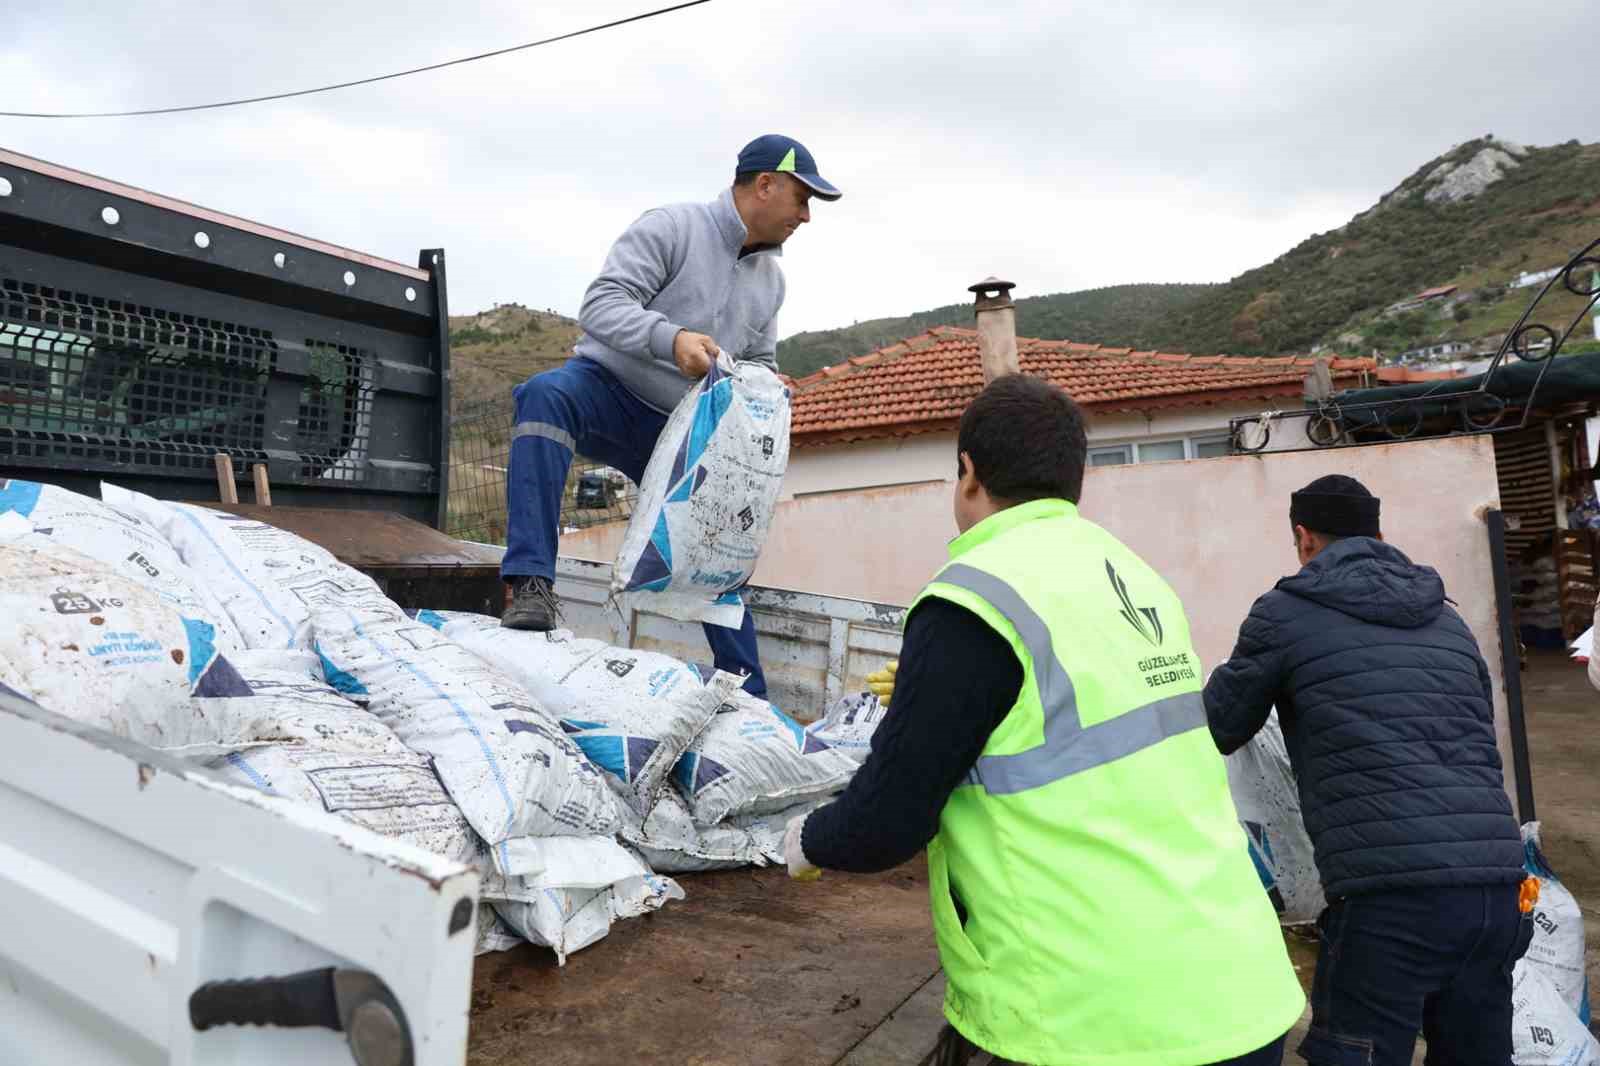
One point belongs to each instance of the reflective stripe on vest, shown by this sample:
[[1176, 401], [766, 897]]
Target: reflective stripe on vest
[[1069, 748]]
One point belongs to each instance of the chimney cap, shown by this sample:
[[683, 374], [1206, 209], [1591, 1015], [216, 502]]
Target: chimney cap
[[991, 285]]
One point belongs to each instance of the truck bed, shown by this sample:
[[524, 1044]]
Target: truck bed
[[750, 968]]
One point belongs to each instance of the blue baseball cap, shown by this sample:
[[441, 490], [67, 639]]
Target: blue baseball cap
[[775, 153]]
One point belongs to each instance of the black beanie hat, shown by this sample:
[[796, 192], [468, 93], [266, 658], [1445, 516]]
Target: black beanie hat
[[1336, 505]]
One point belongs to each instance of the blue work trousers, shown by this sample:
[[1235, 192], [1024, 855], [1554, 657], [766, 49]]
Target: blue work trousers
[[582, 408]]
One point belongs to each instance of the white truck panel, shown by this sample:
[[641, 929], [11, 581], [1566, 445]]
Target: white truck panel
[[128, 879], [813, 648]]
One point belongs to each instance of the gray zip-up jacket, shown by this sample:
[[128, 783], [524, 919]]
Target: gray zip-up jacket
[[678, 268]]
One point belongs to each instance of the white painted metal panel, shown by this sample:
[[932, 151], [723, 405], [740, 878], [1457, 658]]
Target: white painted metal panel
[[813, 648], [128, 878]]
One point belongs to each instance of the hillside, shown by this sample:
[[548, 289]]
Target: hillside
[[1475, 218], [494, 350], [1119, 314]]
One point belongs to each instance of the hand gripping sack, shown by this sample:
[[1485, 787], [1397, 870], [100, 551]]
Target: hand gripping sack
[[707, 497], [98, 648], [41, 515], [508, 766], [1267, 800]]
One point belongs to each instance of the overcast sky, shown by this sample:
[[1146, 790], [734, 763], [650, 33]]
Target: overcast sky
[[1062, 145]]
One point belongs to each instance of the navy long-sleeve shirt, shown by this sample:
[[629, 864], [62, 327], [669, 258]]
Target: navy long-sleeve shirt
[[958, 680]]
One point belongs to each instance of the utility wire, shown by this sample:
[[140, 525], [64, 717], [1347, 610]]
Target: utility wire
[[362, 81]]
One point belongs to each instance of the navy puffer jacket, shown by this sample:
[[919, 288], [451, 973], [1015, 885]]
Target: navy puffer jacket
[[1388, 717]]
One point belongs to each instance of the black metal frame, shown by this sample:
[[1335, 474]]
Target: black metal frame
[[126, 277], [1331, 424], [1510, 666]]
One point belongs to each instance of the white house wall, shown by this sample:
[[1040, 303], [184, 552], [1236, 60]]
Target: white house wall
[[870, 464], [931, 456]]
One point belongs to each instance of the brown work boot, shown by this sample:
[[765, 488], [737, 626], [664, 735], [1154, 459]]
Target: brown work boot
[[534, 605]]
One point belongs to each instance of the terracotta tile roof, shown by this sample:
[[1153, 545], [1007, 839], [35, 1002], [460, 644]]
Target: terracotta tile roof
[[1441, 290], [923, 383]]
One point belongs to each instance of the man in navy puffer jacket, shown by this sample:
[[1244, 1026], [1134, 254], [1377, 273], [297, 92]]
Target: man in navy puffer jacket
[[1388, 717]]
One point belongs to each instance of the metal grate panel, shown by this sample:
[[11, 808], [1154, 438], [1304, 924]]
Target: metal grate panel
[[88, 382], [335, 417]]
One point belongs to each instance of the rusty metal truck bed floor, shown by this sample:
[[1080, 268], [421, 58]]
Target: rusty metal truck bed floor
[[750, 968]]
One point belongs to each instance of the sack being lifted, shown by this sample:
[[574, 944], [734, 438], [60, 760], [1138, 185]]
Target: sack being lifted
[[707, 497], [1267, 799]]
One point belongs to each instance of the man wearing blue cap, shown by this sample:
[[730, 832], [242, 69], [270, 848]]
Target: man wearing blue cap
[[683, 284]]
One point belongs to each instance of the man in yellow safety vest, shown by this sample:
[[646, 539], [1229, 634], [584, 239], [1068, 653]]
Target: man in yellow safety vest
[[1092, 892]]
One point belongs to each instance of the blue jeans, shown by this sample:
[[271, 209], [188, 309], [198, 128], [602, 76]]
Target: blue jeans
[[1434, 960], [582, 407]]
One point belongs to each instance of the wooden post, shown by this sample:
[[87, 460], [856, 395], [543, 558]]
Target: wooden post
[[263, 487], [225, 485], [1558, 498], [997, 328]]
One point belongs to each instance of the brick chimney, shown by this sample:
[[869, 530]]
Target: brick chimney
[[997, 327]]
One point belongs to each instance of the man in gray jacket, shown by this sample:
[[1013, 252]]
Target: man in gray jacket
[[683, 284]]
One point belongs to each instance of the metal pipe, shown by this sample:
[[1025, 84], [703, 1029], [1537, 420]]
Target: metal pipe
[[997, 328]]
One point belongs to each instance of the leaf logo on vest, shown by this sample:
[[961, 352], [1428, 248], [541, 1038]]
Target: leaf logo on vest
[[1158, 670], [1143, 619], [620, 667]]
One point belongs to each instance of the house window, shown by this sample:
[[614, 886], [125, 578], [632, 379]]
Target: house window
[[1211, 446], [1162, 451], [1120, 455]]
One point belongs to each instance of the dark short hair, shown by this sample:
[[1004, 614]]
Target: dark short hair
[[1026, 440], [748, 178]]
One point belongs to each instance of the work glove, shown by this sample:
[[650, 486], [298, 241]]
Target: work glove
[[800, 868], [881, 683]]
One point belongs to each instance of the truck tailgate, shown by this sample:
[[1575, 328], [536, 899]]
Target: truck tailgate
[[129, 879], [814, 648], [751, 968]]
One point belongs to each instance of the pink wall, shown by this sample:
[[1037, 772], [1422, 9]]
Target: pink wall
[[1216, 529]]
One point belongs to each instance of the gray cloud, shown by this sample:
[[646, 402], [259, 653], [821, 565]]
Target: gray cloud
[[1066, 145]]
